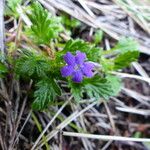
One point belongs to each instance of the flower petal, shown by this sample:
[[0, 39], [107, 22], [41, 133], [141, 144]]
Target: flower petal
[[77, 76], [87, 69], [69, 59], [80, 57], [67, 71]]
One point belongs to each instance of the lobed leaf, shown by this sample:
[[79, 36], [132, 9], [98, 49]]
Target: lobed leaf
[[11, 7], [46, 92], [96, 88], [44, 26], [126, 44], [3, 70], [93, 53], [124, 60], [32, 65]]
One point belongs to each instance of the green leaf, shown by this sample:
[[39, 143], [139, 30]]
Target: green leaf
[[115, 83], [93, 53], [124, 53], [96, 88], [70, 22], [11, 7], [74, 45], [56, 87], [76, 90], [44, 26], [3, 70], [32, 65], [124, 60], [126, 44], [98, 36], [47, 90], [137, 134], [107, 64]]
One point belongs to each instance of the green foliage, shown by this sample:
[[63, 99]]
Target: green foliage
[[115, 83], [125, 52], [124, 60], [98, 36], [47, 90], [11, 7], [96, 87], [31, 64], [76, 90], [93, 53], [44, 27], [3, 70], [137, 134], [126, 44], [3, 67], [107, 64], [69, 22], [120, 61]]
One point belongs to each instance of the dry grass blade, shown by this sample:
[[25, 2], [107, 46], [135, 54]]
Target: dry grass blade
[[139, 14], [110, 117], [19, 134], [105, 137], [126, 75], [134, 111], [66, 122], [49, 124]]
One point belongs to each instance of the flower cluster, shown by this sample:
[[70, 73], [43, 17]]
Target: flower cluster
[[77, 67]]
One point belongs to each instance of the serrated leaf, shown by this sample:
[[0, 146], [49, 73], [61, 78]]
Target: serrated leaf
[[3, 70], [96, 88], [115, 83], [124, 60], [93, 53], [126, 44], [11, 7], [47, 90], [44, 26], [74, 45], [70, 22], [56, 87], [76, 90], [107, 64], [32, 65]]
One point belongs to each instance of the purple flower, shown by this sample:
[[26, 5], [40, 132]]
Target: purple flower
[[76, 67]]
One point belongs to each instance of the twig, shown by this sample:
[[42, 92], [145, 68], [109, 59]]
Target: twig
[[110, 116]]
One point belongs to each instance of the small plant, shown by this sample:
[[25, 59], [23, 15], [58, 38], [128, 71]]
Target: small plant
[[44, 26], [85, 68]]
